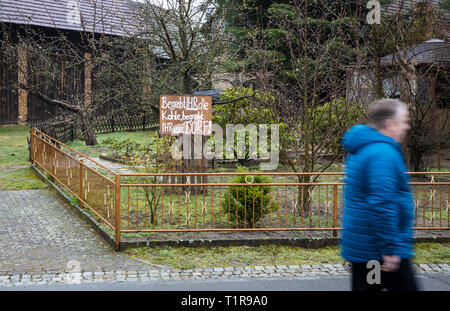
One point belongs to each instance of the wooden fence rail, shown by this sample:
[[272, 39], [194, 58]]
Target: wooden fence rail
[[65, 131]]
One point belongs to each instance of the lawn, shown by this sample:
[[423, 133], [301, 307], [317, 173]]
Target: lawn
[[15, 170], [141, 137], [202, 257]]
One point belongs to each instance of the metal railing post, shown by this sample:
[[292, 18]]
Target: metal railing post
[[54, 161], [335, 199], [117, 211], [81, 180]]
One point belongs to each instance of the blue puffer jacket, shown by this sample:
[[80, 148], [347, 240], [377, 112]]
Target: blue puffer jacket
[[378, 212]]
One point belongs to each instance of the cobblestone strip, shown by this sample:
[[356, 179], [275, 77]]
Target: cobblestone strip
[[198, 273]]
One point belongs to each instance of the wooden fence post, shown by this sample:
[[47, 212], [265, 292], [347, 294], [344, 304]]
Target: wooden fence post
[[143, 122], [32, 141]]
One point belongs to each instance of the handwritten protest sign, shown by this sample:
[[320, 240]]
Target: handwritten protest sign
[[185, 114]]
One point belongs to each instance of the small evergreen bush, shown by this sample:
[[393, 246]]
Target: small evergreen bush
[[248, 203]]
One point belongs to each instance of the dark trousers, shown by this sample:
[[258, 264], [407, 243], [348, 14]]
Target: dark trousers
[[400, 280]]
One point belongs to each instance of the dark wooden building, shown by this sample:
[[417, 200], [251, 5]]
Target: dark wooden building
[[73, 19], [430, 60]]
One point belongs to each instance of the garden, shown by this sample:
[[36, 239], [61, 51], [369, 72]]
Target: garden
[[15, 165], [309, 69], [235, 202]]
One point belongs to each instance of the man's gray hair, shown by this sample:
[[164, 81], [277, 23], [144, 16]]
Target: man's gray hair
[[382, 109]]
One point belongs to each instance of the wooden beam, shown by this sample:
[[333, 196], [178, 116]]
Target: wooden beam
[[147, 80], [22, 79], [87, 80]]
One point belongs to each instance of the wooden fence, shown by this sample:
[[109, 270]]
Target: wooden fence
[[64, 131], [9, 110]]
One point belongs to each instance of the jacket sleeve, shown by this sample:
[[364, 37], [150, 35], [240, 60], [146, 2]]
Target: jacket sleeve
[[382, 195]]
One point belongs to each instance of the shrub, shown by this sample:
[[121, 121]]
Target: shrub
[[155, 157], [123, 148], [248, 112], [248, 203]]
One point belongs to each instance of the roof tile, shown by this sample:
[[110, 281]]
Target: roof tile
[[104, 16]]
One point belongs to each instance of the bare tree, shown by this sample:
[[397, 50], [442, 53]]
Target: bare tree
[[320, 42], [172, 48], [410, 62], [189, 34]]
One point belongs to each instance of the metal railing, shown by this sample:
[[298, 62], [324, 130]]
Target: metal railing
[[186, 202]]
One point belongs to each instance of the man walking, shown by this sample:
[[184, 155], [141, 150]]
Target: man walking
[[378, 214]]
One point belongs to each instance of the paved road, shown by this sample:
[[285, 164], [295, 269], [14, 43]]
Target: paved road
[[427, 282]]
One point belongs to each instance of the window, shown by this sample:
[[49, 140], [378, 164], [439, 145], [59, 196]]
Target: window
[[391, 86]]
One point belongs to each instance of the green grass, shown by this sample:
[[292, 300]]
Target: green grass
[[202, 257], [23, 179], [15, 171], [95, 151], [13, 142], [443, 169]]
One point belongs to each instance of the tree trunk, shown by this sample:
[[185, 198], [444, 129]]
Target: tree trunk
[[89, 135], [304, 196], [151, 204], [86, 119]]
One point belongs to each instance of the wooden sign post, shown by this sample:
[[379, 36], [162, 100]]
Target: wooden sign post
[[189, 116]]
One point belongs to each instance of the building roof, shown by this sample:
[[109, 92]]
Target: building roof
[[215, 94], [405, 5], [431, 51], [113, 17]]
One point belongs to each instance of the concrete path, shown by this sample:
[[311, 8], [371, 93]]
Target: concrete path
[[114, 166], [41, 234]]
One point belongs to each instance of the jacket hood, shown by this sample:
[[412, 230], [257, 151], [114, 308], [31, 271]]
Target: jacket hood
[[361, 135]]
